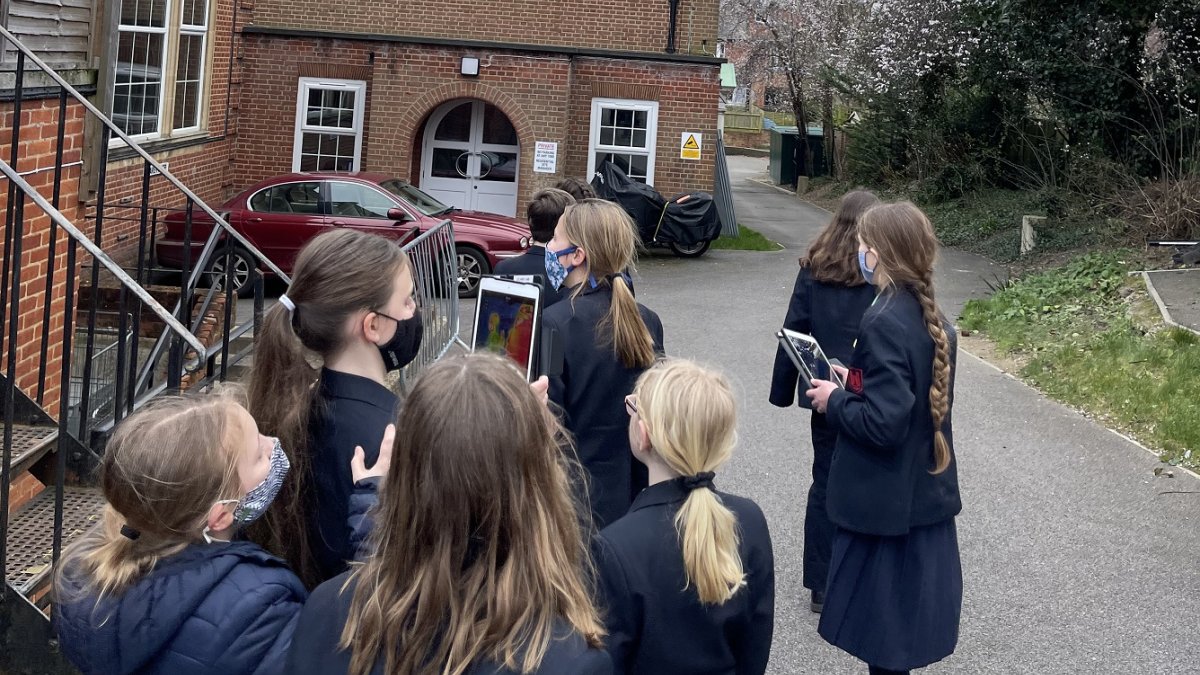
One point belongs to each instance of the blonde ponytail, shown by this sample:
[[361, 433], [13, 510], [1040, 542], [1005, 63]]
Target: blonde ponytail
[[609, 238], [691, 419], [631, 338]]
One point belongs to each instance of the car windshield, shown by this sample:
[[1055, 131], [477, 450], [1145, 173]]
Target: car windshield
[[423, 202]]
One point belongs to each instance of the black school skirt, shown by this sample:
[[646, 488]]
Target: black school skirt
[[895, 602]]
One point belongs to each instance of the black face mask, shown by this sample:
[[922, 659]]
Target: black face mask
[[405, 344]]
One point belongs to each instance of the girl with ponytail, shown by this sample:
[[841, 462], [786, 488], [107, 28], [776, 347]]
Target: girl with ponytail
[[688, 575], [350, 310], [163, 584], [894, 595], [608, 339]]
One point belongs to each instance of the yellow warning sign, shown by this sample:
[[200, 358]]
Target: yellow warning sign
[[690, 144]]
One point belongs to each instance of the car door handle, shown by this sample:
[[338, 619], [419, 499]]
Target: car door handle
[[254, 220], [339, 223]]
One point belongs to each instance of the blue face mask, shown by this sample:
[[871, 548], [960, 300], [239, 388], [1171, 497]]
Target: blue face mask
[[556, 272], [867, 272]]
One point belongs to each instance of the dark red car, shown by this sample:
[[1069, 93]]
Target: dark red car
[[279, 215]]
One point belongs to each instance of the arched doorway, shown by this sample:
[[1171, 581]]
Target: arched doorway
[[469, 157]]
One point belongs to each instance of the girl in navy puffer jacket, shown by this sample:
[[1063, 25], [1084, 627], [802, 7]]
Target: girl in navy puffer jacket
[[160, 586]]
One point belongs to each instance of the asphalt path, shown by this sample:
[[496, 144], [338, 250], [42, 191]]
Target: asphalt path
[[1076, 558]]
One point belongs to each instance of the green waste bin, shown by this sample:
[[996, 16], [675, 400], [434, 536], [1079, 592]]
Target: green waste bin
[[783, 155]]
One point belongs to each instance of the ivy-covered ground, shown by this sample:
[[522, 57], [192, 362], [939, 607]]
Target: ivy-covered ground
[[1089, 335]]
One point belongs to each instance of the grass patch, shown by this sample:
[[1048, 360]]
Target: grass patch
[[1086, 338], [747, 240]]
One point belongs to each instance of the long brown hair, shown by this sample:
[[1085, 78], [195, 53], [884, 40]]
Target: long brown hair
[[906, 246], [163, 469], [477, 546], [609, 238], [691, 419], [833, 257], [336, 274]]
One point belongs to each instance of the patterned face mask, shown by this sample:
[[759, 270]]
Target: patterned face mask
[[256, 501], [556, 272]]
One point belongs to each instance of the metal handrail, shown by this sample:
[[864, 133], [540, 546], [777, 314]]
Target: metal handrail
[[221, 222], [90, 246]]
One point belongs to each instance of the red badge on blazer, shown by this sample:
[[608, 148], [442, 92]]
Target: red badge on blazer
[[854, 380]]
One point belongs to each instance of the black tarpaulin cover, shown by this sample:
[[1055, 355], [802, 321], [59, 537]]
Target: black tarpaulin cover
[[687, 219]]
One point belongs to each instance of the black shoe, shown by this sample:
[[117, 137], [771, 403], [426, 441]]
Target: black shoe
[[817, 603]]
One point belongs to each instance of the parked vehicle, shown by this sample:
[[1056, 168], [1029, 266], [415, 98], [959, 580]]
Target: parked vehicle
[[687, 223], [279, 215]]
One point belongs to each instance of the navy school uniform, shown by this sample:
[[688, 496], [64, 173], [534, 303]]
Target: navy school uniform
[[658, 627], [212, 608], [591, 392], [351, 411], [895, 582], [530, 263], [831, 313], [315, 646]]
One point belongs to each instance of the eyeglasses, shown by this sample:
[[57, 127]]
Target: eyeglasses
[[631, 404]]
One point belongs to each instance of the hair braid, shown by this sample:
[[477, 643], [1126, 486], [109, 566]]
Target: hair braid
[[939, 391]]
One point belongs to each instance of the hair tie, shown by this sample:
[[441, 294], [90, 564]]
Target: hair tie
[[287, 302], [704, 479], [130, 533], [613, 277]]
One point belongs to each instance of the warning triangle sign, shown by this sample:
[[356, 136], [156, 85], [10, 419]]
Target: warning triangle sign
[[690, 143]]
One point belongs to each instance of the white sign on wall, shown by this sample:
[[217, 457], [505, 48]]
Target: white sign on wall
[[545, 157], [690, 144]]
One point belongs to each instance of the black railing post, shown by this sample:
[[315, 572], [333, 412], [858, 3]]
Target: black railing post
[[85, 412], [51, 256], [145, 250], [14, 315], [9, 216], [229, 300], [64, 404]]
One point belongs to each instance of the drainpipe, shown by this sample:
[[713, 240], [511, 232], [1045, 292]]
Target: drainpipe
[[671, 26]]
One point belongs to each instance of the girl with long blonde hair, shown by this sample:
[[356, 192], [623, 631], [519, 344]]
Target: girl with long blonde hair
[[478, 563], [608, 339], [894, 595], [688, 575], [162, 584]]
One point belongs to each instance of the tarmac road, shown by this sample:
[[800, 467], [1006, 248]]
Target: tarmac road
[[1074, 561]]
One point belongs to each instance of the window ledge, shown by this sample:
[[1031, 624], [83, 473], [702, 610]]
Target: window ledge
[[121, 151]]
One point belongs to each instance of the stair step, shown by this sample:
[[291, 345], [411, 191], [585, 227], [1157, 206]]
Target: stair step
[[31, 443], [31, 534]]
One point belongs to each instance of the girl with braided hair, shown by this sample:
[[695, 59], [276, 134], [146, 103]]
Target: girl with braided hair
[[894, 594]]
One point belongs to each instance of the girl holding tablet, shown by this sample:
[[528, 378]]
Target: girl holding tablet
[[895, 580]]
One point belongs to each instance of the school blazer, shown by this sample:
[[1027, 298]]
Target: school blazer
[[591, 393], [656, 625], [879, 481], [829, 312], [529, 263]]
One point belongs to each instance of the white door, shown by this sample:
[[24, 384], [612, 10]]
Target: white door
[[470, 156]]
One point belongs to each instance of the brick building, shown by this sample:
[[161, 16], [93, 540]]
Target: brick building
[[456, 96]]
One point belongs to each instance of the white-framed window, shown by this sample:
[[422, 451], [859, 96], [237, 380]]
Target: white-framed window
[[624, 132], [329, 125], [161, 67]]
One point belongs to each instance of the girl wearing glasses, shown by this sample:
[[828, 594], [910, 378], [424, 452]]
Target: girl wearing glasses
[[688, 575]]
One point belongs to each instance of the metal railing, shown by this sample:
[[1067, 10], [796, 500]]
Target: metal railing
[[70, 291], [435, 278]]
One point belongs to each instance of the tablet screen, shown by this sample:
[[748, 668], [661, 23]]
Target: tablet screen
[[813, 356], [506, 326]]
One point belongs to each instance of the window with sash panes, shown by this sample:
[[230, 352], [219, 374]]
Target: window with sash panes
[[624, 132], [329, 125], [160, 82]]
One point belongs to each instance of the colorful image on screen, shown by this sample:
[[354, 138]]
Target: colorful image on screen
[[505, 326]]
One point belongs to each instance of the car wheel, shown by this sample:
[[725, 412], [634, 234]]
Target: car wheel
[[242, 265], [693, 251], [472, 265]]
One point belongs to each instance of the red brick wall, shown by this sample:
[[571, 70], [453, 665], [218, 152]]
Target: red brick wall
[[629, 25], [38, 143], [407, 82]]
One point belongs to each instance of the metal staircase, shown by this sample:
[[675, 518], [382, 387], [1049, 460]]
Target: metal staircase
[[67, 380]]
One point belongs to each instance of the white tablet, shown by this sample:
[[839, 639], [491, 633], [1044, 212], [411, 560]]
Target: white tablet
[[808, 356], [508, 318]]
